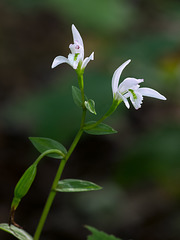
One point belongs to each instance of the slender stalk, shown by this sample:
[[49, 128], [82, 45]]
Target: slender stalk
[[48, 152], [63, 162], [49, 201]]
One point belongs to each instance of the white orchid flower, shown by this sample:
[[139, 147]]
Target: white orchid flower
[[76, 57], [130, 88]]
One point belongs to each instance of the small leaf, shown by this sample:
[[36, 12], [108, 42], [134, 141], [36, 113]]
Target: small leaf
[[23, 185], [77, 97], [99, 235], [75, 185], [90, 105], [44, 144], [16, 232], [100, 129], [76, 93]]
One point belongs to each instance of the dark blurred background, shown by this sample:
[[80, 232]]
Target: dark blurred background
[[139, 168]]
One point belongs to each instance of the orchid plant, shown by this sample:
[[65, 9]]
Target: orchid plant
[[127, 89]]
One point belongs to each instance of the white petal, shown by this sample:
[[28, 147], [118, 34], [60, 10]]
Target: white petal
[[77, 36], [119, 95], [126, 102], [151, 93], [86, 60], [116, 76], [58, 60], [129, 83]]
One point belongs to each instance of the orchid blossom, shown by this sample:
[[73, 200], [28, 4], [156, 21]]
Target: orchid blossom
[[76, 57], [130, 88]]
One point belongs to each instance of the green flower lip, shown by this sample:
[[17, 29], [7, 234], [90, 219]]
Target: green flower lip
[[76, 56], [133, 93]]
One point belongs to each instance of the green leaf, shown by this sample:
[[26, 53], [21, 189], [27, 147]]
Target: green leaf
[[23, 185], [75, 185], [16, 232], [77, 97], [76, 93], [44, 144], [99, 235], [90, 105], [100, 129]]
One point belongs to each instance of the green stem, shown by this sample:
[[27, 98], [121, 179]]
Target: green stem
[[49, 201], [52, 193], [48, 152], [81, 86]]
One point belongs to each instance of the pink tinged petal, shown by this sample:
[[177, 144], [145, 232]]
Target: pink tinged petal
[[148, 92], [77, 36], [58, 60], [116, 76], [130, 83], [86, 60], [76, 48]]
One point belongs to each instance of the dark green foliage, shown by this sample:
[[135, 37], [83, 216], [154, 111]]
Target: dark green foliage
[[99, 235], [44, 144]]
